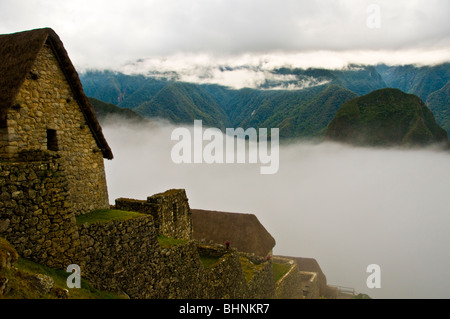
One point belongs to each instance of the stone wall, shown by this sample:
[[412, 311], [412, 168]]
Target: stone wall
[[289, 286], [47, 117], [35, 211], [124, 256], [140, 267], [310, 285], [262, 285], [119, 255], [170, 211]]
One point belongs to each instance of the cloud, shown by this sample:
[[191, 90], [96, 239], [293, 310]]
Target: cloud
[[347, 207], [252, 70], [105, 34]]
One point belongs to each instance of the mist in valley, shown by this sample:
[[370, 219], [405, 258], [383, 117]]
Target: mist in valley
[[346, 207]]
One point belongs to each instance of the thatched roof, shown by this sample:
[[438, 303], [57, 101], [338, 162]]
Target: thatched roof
[[244, 231], [18, 52]]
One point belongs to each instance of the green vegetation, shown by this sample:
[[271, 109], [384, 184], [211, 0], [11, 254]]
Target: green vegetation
[[106, 215], [167, 242], [6, 248], [361, 296], [279, 270], [209, 261], [297, 113], [104, 110], [303, 112], [385, 117], [183, 103], [20, 286], [248, 268], [439, 104], [421, 81]]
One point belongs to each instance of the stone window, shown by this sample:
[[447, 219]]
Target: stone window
[[3, 123], [175, 212], [3, 128], [52, 140]]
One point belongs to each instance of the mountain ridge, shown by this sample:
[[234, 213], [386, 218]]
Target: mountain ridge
[[386, 117], [298, 113]]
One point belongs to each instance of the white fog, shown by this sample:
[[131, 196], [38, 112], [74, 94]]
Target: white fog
[[346, 207]]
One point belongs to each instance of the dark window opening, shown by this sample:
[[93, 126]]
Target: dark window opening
[[3, 123], [34, 76], [52, 141], [175, 212]]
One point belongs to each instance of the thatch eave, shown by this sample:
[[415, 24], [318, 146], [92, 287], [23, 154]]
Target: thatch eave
[[18, 51]]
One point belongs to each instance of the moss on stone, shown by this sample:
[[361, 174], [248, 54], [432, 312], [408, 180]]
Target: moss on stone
[[167, 242], [209, 261], [248, 268], [20, 284], [279, 270], [106, 215]]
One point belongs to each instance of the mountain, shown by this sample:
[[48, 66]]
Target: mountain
[[301, 112], [304, 113], [385, 117], [112, 87], [418, 80], [104, 110], [301, 102], [183, 103], [427, 82], [439, 104], [360, 79]]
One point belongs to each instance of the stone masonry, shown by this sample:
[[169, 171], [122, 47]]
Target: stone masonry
[[35, 211], [170, 211], [46, 117]]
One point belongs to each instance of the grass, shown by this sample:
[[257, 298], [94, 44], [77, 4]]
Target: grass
[[248, 268], [5, 248], [279, 270], [209, 261], [167, 242], [21, 288], [106, 215]]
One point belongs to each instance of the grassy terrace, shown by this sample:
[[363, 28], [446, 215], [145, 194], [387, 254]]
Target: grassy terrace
[[21, 287], [209, 261], [106, 215], [279, 270], [167, 242], [248, 268]]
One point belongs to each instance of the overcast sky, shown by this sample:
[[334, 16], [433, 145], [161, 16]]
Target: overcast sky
[[173, 33]]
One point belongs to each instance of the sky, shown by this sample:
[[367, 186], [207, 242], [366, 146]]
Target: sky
[[206, 36]]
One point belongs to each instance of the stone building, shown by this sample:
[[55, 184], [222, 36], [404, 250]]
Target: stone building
[[45, 113]]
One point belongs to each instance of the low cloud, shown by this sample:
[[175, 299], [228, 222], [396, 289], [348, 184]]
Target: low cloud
[[254, 70], [347, 207]]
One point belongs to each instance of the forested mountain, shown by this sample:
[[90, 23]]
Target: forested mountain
[[386, 117], [439, 104], [421, 81], [107, 110], [301, 105], [183, 103]]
